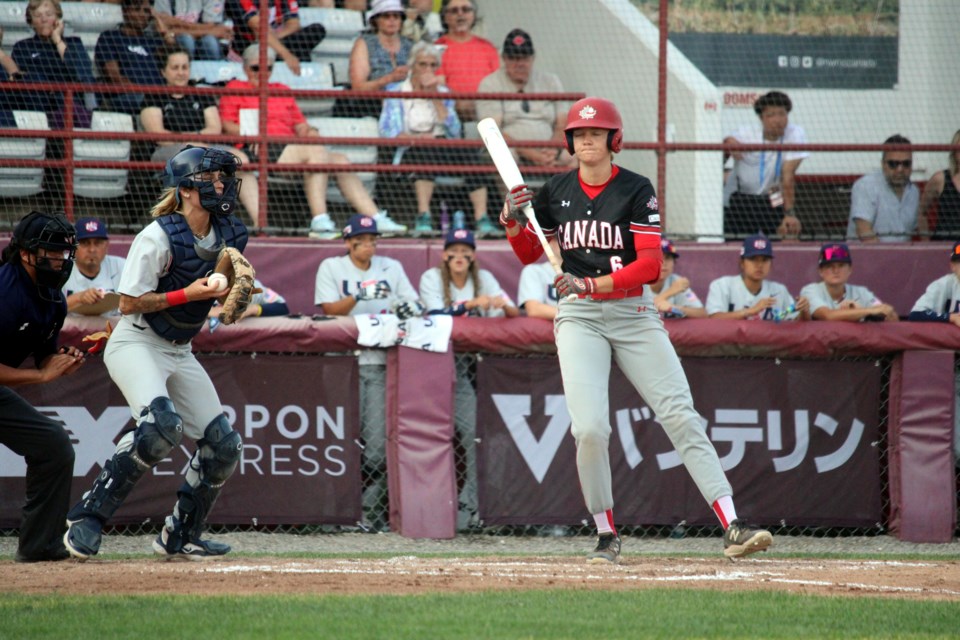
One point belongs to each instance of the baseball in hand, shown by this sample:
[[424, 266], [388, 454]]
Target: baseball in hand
[[218, 281]]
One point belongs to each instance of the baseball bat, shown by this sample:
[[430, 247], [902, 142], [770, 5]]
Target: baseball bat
[[510, 174]]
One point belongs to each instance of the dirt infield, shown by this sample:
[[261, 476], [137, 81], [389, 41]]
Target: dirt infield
[[499, 565]]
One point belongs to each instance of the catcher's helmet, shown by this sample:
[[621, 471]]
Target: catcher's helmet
[[53, 233], [186, 169], [596, 113]]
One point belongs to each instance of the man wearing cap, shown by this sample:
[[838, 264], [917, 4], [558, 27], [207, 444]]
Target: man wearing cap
[[522, 119], [286, 119], [750, 296], [33, 268], [363, 283], [834, 299], [672, 295], [96, 275]]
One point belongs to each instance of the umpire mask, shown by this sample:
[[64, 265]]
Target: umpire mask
[[53, 233]]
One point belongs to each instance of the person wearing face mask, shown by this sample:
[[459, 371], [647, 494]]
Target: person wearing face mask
[[33, 269]]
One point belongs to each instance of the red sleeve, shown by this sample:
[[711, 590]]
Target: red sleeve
[[526, 246], [646, 268], [230, 106]]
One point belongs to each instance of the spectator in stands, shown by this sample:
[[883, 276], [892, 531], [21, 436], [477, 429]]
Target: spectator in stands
[[431, 118], [285, 36], [944, 187], [363, 283], [14, 100], [460, 287], [286, 119], [379, 58], [125, 55], [750, 296], [96, 273], [352, 5], [421, 22], [49, 56], [526, 119], [759, 194], [180, 113], [672, 294], [193, 23], [467, 58], [884, 204], [535, 293], [833, 298]]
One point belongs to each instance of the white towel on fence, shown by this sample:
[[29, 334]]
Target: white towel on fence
[[431, 333]]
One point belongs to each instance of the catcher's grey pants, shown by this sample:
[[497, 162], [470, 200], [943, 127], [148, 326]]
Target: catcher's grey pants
[[588, 333], [145, 366]]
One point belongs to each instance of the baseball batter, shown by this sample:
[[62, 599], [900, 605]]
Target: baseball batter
[[165, 299], [605, 222]]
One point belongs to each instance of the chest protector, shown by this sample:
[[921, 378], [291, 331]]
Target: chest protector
[[191, 261]]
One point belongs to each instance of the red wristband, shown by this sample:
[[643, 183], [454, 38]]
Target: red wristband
[[176, 298]]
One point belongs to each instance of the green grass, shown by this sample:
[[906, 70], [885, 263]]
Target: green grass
[[663, 613]]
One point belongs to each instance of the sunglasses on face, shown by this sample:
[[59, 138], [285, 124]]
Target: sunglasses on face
[[896, 164], [466, 9], [432, 65], [256, 68]]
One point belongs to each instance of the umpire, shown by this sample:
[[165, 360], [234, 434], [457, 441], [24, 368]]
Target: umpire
[[33, 269]]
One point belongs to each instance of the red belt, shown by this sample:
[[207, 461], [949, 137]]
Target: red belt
[[616, 295]]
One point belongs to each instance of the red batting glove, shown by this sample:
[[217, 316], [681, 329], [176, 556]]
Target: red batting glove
[[518, 197], [567, 284]]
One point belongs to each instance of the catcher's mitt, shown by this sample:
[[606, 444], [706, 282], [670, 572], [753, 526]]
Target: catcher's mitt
[[240, 276]]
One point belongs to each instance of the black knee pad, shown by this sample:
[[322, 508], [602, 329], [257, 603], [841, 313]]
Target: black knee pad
[[153, 441], [220, 451]]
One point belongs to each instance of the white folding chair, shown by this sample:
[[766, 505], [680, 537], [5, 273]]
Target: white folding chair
[[19, 182], [103, 183]]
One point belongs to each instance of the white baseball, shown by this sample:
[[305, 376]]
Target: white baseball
[[218, 281]]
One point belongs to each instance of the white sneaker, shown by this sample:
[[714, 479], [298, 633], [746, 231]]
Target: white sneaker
[[388, 227], [322, 228]]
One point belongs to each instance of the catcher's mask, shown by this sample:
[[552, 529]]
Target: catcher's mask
[[597, 113], [53, 233], [192, 168]]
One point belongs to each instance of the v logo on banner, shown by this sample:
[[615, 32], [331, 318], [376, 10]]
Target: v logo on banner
[[538, 454]]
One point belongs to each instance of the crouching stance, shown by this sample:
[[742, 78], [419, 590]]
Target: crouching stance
[[165, 299]]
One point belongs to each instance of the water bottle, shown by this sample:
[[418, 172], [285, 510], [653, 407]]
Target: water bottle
[[459, 219], [444, 217]]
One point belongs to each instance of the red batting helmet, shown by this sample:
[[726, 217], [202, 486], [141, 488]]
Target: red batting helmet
[[597, 113]]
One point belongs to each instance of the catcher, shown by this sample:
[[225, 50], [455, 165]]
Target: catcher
[[164, 298]]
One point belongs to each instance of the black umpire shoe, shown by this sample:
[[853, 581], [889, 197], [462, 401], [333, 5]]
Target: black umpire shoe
[[55, 555]]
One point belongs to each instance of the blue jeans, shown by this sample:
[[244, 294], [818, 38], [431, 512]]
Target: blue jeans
[[209, 46]]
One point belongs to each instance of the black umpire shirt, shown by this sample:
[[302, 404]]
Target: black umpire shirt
[[28, 324]]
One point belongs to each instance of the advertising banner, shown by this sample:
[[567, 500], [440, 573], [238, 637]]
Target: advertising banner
[[798, 441], [298, 417]]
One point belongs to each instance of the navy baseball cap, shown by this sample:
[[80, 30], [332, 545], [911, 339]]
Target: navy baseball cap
[[955, 254], [459, 236], [91, 228], [835, 252], [668, 249], [758, 245], [359, 224], [517, 44]]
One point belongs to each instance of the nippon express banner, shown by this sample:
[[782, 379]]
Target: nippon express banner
[[797, 440], [298, 416]]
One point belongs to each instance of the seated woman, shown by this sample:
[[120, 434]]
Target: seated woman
[[48, 56], [379, 58], [431, 118], [180, 113]]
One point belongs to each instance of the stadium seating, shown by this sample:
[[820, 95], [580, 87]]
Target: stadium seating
[[216, 72], [14, 23], [313, 76], [350, 128], [19, 182], [343, 26], [103, 183], [87, 20]]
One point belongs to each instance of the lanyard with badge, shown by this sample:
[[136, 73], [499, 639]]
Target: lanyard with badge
[[776, 195]]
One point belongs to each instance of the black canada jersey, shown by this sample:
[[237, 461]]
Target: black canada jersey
[[596, 237]]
